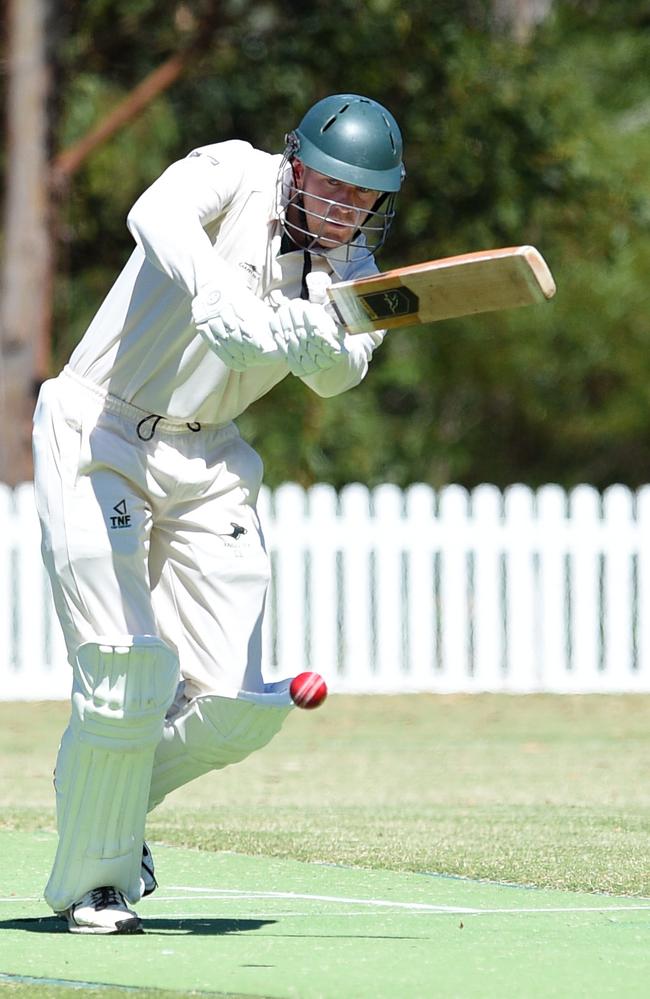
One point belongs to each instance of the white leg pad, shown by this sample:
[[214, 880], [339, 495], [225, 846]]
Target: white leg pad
[[121, 691], [210, 732]]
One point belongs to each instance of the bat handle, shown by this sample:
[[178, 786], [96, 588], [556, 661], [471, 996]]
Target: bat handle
[[317, 284]]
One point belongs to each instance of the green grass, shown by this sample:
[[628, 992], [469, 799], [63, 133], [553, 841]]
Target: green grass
[[30, 990], [543, 790]]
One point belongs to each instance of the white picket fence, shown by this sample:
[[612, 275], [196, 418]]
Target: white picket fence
[[407, 590]]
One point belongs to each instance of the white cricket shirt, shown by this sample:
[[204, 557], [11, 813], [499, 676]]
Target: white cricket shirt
[[210, 215]]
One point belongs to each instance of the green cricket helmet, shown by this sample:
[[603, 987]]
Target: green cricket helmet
[[354, 140]]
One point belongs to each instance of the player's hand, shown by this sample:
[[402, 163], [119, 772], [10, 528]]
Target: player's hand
[[308, 336], [239, 331]]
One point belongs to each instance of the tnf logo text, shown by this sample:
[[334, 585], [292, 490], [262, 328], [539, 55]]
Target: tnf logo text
[[122, 518]]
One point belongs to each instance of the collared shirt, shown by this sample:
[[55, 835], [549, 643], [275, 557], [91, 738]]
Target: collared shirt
[[209, 217]]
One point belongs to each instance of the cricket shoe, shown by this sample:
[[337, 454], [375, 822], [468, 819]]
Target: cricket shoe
[[148, 882], [102, 910]]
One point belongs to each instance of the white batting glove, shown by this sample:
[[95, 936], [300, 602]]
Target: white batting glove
[[308, 336], [239, 332]]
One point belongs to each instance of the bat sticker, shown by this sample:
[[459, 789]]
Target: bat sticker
[[399, 301]]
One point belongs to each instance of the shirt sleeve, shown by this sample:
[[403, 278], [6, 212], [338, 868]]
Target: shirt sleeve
[[350, 369], [168, 220]]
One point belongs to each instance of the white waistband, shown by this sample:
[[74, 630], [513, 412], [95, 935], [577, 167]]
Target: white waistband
[[133, 414]]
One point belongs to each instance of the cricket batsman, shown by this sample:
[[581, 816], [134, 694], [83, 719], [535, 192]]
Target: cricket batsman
[[147, 493]]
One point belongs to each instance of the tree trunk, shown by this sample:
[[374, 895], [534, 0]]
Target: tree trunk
[[25, 273], [33, 192]]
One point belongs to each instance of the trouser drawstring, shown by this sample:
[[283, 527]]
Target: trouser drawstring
[[146, 433]]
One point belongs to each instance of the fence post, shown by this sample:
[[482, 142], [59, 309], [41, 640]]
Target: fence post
[[522, 627], [325, 587], [585, 555], [422, 543], [389, 588], [642, 605], [553, 588], [453, 590], [487, 610], [354, 622], [618, 591]]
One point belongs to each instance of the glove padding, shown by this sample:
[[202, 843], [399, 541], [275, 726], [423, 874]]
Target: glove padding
[[308, 337], [240, 333]]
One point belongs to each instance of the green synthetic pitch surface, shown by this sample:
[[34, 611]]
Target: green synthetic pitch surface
[[379, 847], [228, 924]]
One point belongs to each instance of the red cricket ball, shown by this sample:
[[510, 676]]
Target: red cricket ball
[[308, 690]]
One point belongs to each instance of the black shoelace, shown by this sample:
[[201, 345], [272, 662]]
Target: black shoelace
[[106, 898]]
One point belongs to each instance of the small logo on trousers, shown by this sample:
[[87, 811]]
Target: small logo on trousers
[[122, 518], [231, 540], [237, 531]]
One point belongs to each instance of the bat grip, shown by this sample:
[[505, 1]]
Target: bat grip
[[317, 284]]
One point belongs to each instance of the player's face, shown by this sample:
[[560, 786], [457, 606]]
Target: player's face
[[334, 210]]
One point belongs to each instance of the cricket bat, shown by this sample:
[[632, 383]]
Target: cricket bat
[[443, 289]]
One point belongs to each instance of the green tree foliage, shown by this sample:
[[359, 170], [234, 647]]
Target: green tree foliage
[[545, 143]]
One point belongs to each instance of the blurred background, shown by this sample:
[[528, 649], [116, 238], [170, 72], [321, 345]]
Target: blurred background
[[524, 121]]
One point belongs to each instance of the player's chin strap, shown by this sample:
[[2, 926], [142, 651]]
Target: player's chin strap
[[306, 269], [288, 245]]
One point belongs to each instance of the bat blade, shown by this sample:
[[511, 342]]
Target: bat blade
[[448, 288]]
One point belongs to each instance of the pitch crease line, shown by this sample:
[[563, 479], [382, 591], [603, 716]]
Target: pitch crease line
[[238, 895]]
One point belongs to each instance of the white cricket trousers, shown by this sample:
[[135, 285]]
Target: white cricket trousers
[[150, 528]]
